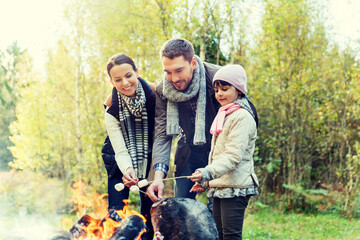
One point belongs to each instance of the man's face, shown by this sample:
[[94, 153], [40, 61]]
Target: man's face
[[179, 72]]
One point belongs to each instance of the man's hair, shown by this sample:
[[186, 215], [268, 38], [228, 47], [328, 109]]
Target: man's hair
[[177, 47]]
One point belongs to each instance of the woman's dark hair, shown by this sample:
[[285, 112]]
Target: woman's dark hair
[[119, 59], [177, 47], [253, 108]]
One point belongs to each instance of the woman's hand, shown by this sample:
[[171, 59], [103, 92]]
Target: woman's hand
[[129, 177], [196, 176]]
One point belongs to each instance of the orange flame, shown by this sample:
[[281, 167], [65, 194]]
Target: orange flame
[[96, 229]]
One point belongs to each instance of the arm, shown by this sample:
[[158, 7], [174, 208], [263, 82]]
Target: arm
[[161, 149], [122, 156], [239, 131], [162, 142]]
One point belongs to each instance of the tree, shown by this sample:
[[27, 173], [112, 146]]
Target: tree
[[307, 101], [9, 61]]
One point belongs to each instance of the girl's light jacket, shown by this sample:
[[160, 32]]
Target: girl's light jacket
[[231, 161]]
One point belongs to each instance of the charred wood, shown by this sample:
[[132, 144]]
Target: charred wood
[[130, 229], [183, 219]]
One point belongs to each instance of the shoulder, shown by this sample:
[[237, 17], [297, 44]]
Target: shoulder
[[241, 113], [107, 102], [241, 116], [211, 69], [147, 86], [152, 86], [159, 87]]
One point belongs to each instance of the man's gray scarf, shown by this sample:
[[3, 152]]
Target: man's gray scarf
[[135, 131], [197, 86]]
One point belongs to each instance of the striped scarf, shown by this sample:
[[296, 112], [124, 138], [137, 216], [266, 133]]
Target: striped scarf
[[135, 131]]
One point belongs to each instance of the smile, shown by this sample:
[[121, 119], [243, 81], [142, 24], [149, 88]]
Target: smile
[[127, 88]]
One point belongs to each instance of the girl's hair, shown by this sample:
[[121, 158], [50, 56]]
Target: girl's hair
[[119, 59], [219, 83]]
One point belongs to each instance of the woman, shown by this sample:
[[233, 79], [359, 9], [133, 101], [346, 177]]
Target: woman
[[129, 120]]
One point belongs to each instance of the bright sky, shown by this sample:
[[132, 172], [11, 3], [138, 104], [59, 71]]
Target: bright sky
[[36, 24]]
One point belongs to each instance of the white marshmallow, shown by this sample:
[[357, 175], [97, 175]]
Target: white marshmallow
[[119, 187], [134, 189], [143, 183]]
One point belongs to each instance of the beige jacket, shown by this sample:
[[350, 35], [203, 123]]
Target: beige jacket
[[231, 161]]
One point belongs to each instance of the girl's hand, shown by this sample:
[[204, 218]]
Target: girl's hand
[[129, 178], [196, 176], [198, 188]]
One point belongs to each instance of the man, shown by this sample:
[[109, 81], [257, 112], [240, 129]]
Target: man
[[185, 106]]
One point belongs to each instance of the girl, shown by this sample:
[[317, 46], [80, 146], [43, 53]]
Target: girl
[[229, 174], [129, 120]]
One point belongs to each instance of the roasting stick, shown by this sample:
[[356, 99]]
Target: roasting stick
[[145, 182], [120, 186]]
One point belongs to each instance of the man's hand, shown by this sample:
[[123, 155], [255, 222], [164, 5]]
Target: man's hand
[[129, 178], [156, 190], [196, 176]]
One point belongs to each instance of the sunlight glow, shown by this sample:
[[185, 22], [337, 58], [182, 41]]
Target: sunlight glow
[[37, 24]]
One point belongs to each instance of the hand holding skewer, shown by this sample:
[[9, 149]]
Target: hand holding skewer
[[140, 184]]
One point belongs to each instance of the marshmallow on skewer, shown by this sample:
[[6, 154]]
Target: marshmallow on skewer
[[119, 187], [143, 183], [134, 189]]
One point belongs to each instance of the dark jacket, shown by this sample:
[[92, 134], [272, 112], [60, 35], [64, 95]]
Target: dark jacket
[[107, 151], [162, 144]]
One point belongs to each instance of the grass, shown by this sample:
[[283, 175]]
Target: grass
[[270, 224]]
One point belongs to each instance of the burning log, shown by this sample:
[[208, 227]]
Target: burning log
[[77, 231], [131, 228], [183, 219], [116, 225]]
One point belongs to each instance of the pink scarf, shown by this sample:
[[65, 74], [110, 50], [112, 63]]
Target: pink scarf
[[218, 123]]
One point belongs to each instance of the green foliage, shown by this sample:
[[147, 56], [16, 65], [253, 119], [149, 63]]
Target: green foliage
[[9, 61], [307, 97], [270, 224], [306, 90]]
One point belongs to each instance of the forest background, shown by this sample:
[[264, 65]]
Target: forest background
[[306, 89]]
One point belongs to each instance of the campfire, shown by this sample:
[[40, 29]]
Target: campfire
[[172, 219], [121, 224], [106, 225]]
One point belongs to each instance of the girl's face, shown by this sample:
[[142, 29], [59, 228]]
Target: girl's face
[[124, 79], [225, 94]]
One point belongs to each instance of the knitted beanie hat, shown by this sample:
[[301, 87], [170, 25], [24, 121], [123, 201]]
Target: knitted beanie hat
[[233, 74]]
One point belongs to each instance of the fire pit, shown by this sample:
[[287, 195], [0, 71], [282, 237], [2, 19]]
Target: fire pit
[[116, 225]]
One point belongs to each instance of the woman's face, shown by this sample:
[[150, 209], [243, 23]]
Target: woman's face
[[225, 94], [124, 79]]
